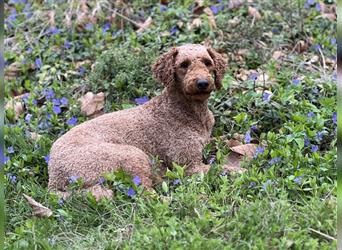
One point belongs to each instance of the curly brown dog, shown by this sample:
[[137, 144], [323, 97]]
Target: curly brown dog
[[174, 126]]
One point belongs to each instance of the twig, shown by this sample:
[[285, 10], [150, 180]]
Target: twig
[[138, 25], [322, 234], [323, 59]]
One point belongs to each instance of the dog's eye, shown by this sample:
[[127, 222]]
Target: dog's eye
[[185, 64], [207, 63]]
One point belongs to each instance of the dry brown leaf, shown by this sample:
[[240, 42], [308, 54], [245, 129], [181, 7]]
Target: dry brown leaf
[[38, 209], [34, 135], [314, 59], [16, 105], [253, 12], [198, 9], [211, 17], [235, 21], [234, 161], [301, 46], [330, 16], [12, 71], [164, 2], [91, 103], [196, 23], [245, 150], [145, 25], [51, 17], [233, 142], [234, 4], [277, 54]]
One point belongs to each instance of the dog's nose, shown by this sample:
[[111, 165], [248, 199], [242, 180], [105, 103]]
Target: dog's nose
[[202, 84]]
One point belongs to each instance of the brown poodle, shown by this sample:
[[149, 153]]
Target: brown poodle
[[174, 126]]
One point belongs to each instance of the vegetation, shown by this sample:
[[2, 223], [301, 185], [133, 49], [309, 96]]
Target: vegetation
[[279, 93]]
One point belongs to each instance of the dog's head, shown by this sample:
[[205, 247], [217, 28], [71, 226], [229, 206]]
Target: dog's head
[[194, 69]]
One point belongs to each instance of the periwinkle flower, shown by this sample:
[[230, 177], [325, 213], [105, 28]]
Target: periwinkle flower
[[141, 100], [266, 97], [314, 148], [131, 192], [136, 180], [73, 179], [47, 158], [56, 109], [248, 137], [72, 121], [38, 63], [10, 150]]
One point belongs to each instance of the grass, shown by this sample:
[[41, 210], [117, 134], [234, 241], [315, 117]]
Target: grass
[[287, 197]]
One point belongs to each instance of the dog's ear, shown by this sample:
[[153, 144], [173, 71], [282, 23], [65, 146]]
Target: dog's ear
[[164, 68], [220, 67]]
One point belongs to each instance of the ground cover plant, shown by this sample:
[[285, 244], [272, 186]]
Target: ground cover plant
[[278, 93]]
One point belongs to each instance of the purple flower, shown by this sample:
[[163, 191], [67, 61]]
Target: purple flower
[[141, 100], [295, 81], [248, 137], [275, 30], [64, 101], [259, 150], [252, 184], [137, 180], [173, 30], [89, 26], [319, 135], [72, 121], [67, 44], [254, 128], [333, 41], [34, 102], [311, 2], [101, 180], [266, 97], [10, 150], [162, 8], [47, 158], [29, 50], [311, 114], [49, 94], [12, 178], [298, 179], [266, 184], [334, 77], [317, 47], [38, 63], [106, 27], [44, 125], [211, 160], [73, 179], [60, 202], [54, 31], [318, 7], [274, 160], [306, 141], [214, 9], [26, 97], [48, 116], [253, 77], [56, 109], [82, 70], [176, 182], [334, 118], [314, 148], [6, 159], [28, 118], [56, 101], [131, 192]]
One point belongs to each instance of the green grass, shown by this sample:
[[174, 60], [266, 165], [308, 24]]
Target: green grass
[[285, 200]]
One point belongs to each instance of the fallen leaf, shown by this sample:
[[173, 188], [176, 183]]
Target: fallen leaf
[[38, 209], [196, 23], [301, 46], [211, 17], [314, 59], [51, 17], [232, 143], [234, 4], [330, 16], [253, 12], [235, 21], [91, 103], [12, 71], [277, 54], [145, 25], [247, 150], [233, 164], [16, 105]]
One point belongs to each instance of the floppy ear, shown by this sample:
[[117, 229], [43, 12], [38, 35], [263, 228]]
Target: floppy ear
[[164, 68], [220, 67]]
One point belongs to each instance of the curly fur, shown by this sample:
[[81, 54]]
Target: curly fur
[[174, 126]]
